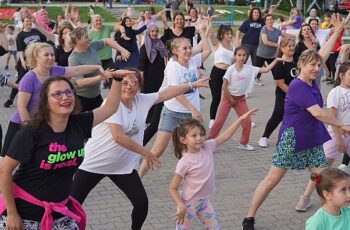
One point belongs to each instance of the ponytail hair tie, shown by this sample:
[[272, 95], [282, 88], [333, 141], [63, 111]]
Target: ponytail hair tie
[[317, 180]]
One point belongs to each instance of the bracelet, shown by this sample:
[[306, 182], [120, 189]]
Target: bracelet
[[190, 84], [117, 79]]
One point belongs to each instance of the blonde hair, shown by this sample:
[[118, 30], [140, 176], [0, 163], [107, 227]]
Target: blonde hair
[[285, 39], [77, 34], [308, 56], [32, 52], [175, 44]]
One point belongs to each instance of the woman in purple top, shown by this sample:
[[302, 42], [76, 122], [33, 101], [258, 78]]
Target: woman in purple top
[[41, 60], [295, 19], [303, 118]]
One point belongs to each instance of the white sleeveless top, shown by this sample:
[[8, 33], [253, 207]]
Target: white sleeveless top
[[223, 55]]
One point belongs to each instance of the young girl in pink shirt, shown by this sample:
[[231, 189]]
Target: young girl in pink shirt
[[196, 167]]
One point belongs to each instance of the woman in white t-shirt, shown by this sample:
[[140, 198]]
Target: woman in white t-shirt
[[116, 145], [181, 68], [238, 81]]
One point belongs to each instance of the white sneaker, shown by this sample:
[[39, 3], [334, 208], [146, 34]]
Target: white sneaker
[[259, 82], [211, 123], [253, 125], [247, 147], [343, 167], [263, 142]]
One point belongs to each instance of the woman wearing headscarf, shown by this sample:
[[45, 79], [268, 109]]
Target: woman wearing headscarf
[[153, 57], [129, 42]]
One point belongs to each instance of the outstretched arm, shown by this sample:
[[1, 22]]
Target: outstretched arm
[[228, 133], [173, 191]]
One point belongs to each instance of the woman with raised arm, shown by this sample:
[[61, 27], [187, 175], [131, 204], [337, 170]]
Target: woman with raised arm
[[115, 148], [223, 57], [153, 59], [41, 59], [44, 176], [302, 132], [86, 53]]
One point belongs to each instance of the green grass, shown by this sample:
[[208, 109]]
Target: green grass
[[238, 16], [53, 11]]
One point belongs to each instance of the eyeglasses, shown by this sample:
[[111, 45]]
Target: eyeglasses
[[59, 94], [188, 20], [187, 48], [130, 83]]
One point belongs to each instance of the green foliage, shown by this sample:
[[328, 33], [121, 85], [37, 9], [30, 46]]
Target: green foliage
[[53, 11]]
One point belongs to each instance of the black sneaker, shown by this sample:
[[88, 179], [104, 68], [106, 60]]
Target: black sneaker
[[248, 223], [8, 103]]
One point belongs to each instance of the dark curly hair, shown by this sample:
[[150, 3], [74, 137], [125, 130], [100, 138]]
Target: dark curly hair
[[42, 114]]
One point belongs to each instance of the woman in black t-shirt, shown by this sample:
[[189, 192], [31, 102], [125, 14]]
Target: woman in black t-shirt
[[24, 38], [48, 152], [65, 47], [178, 30], [283, 73]]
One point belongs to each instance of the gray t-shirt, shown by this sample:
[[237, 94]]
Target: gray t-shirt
[[89, 57], [265, 51]]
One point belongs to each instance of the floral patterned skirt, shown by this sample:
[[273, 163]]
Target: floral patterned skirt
[[64, 223], [285, 156]]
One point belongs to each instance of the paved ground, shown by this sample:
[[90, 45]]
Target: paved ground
[[237, 174]]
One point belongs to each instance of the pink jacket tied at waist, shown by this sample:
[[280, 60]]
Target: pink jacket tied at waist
[[76, 213]]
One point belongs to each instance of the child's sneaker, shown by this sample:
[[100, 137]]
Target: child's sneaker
[[263, 142], [259, 82], [343, 167], [247, 147], [303, 204], [211, 123], [248, 223]]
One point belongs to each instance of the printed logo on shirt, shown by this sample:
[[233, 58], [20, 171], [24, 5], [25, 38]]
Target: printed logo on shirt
[[189, 76], [241, 78], [344, 104], [31, 39], [255, 25], [59, 157]]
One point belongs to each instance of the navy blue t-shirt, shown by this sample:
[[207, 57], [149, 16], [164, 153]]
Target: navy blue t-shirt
[[251, 30]]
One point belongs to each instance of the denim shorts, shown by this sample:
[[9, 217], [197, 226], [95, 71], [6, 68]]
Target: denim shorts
[[169, 119]]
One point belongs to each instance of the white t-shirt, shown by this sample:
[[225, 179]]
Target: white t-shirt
[[339, 98], [242, 82], [322, 36], [176, 74], [11, 38], [102, 154]]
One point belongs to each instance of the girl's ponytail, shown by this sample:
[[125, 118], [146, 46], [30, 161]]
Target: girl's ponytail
[[178, 146]]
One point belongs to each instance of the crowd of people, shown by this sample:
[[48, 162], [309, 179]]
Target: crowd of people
[[64, 137]]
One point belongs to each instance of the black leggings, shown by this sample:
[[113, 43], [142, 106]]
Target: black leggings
[[215, 84], [21, 72], [276, 117], [346, 159], [251, 49], [10, 134], [260, 61], [130, 184], [152, 128], [89, 104], [330, 63]]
